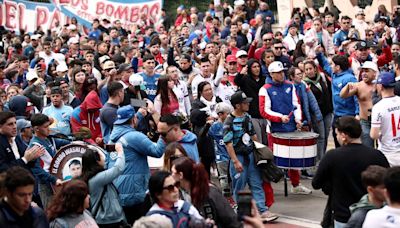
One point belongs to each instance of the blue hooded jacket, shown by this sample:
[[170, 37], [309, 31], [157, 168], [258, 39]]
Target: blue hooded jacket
[[188, 142], [132, 183], [341, 107], [309, 105]]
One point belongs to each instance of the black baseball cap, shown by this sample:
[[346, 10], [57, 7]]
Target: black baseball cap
[[361, 45], [240, 97]]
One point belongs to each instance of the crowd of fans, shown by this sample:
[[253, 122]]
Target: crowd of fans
[[197, 92]]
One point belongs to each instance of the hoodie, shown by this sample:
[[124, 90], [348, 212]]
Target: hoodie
[[132, 183], [81, 117], [359, 211], [250, 87], [18, 105], [188, 142]]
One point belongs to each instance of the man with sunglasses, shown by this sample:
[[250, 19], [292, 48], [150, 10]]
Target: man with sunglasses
[[277, 48], [132, 184], [170, 131], [266, 44]]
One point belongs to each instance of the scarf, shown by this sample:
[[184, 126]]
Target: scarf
[[210, 106], [315, 81]]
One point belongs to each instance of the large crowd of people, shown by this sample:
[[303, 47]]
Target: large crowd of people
[[198, 92]]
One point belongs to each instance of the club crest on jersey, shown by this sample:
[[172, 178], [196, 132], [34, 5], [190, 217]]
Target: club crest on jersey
[[288, 90], [274, 93], [340, 85]]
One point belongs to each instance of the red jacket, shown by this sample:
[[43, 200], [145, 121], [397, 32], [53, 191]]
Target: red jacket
[[82, 117]]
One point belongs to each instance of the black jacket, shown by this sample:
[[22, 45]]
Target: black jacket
[[340, 172], [221, 211], [7, 158], [205, 143], [250, 87], [324, 97], [34, 217]]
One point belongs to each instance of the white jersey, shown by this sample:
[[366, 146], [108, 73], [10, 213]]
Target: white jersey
[[199, 79], [384, 217], [386, 117], [182, 94]]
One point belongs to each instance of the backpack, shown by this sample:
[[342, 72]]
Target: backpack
[[240, 147], [179, 219]]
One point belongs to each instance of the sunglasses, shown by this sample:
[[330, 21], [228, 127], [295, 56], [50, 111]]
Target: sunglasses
[[278, 48], [172, 187], [164, 134], [266, 40]]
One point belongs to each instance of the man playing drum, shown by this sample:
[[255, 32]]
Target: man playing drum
[[280, 106]]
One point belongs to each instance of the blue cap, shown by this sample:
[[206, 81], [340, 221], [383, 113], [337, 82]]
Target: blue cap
[[386, 79], [22, 124], [124, 113]]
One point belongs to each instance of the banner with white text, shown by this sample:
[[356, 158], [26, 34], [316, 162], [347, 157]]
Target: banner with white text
[[27, 15]]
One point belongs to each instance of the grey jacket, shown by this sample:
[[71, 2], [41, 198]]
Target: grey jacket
[[85, 219], [109, 208]]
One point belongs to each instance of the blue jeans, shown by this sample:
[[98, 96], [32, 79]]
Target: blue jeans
[[322, 128], [251, 176], [339, 224], [365, 138]]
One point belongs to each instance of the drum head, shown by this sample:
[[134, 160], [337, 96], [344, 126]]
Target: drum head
[[295, 135]]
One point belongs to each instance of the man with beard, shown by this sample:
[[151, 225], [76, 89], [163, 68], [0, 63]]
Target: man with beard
[[359, 57], [60, 113], [154, 48], [363, 90]]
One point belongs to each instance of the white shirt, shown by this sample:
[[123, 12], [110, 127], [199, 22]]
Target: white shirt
[[14, 148], [199, 79], [182, 94], [47, 58], [386, 117], [291, 41], [223, 91], [386, 217]]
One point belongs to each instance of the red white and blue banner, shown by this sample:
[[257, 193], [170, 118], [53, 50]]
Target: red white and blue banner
[[21, 14]]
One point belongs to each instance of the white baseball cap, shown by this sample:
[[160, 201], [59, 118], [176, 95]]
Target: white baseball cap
[[241, 53], [239, 3], [35, 37], [135, 79], [73, 40], [62, 67], [31, 74], [71, 27], [275, 67], [370, 65]]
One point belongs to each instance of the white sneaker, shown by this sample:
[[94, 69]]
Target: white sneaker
[[300, 190], [268, 216]]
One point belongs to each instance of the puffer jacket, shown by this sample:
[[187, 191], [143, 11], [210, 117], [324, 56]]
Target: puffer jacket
[[132, 183], [309, 105], [81, 117]]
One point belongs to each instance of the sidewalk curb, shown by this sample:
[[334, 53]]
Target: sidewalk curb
[[298, 221]]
